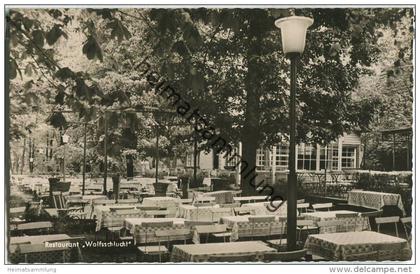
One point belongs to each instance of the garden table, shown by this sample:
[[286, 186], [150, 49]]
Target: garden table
[[358, 223], [131, 223], [261, 208], [222, 196], [348, 245], [203, 213], [17, 211], [248, 229], [202, 252], [230, 221], [249, 199], [107, 218], [170, 203], [162, 202], [147, 234], [32, 249], [375, 200]]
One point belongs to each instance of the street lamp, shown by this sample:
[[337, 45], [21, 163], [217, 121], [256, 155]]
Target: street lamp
[[293, 36], [65, 139]]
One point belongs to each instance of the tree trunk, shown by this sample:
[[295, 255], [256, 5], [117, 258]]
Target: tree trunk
[[250, 135], [23, 156], [130, 166]]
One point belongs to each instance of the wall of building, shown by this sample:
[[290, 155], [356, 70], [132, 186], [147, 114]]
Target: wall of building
[[345, 153]]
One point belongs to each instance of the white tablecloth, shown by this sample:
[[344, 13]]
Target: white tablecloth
[[357, 223], [342, 246], [38, 239], [203, 213], [230, 221], [130, 223], [375, 200], [201, 252], [265, 208], [106, 218]]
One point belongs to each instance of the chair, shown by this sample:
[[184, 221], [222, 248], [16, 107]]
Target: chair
[[322, 206], [377, 213], [232, 258], [240, 211], [217, 230], [103, 202], [38, 226], [331, 226], [255, 219], [371, 217], [118, 209], [167, 234], [287, 256], [406, 221], [304, 225], [216, 213], [280, 243], [204, 200], [302, 207], [260, 221], [388, 220], [232, 205], [192, 224], [128, 201], [186, 201], [157, 213], [173, 234], [300, 201], [153, 249]]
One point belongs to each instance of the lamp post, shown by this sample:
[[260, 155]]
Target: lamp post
[[65, 139], [293, 35]]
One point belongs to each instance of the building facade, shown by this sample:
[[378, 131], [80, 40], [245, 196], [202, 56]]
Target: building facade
[[345, 153]]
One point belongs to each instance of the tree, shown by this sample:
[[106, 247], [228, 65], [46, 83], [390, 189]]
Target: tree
[[232, 57]]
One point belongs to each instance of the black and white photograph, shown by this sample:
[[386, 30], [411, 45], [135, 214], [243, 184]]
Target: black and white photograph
[[209, 134]]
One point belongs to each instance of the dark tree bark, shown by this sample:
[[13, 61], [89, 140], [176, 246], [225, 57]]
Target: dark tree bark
[[23, 156], [130, 166], [250, 134]]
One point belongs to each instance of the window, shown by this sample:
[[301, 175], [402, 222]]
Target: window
[[281, 157], [306, 157], [261, 161], [190, 160], [348, 157], [233, 159], [328, 157]]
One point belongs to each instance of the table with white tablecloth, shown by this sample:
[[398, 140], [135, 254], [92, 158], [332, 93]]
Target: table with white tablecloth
[[268, 208], [171, 204], [246, 229], [222, 196], [230, 221], [114, 215], [33, 249], [375, 200], [131, 223], [250, 199], [202, 252], [147, 234], [203, 213], [347, 245], [356, 223]]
